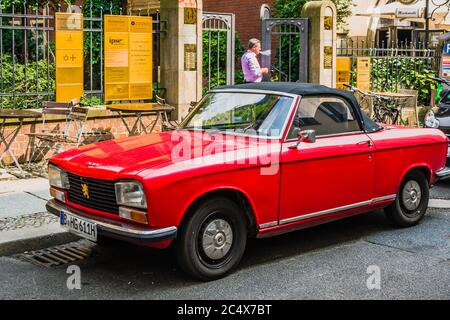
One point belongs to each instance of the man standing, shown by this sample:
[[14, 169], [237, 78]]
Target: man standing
[[250, 64]]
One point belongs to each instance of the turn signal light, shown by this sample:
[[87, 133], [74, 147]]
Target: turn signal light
[[58, 195], [133, 214]]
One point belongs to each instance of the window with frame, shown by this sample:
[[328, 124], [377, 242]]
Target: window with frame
[[325, 115]]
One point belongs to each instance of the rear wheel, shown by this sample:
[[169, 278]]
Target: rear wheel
[[412, 200], [212, 242]]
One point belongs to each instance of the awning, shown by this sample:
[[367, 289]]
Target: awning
[[440, 14], [444, 37]]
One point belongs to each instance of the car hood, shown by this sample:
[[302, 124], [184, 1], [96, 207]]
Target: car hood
[[130, 156]]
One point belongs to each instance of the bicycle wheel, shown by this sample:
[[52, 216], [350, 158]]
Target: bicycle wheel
[[390, 116], [377, 114]]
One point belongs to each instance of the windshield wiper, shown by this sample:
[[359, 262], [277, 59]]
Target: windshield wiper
[[254, 125]]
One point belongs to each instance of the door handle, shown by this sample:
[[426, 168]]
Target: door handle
[[367, 142]]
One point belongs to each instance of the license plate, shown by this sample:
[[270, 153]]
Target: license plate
[[79, 226]]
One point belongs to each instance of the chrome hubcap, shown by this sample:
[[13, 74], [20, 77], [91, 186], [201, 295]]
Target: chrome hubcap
[[411, 195], [217, 239]]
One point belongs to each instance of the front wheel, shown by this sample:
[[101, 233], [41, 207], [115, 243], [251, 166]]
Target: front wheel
[[212, 242], [412, 200]]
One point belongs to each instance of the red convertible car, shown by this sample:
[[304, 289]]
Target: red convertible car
[[253, 160]]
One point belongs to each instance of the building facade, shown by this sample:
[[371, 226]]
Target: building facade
[[385, 22], [374, 21], [247, 12]]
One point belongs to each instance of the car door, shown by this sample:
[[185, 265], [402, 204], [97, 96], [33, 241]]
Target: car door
[[331, 175]]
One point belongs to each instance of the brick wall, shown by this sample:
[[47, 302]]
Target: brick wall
[[23, 145], [247, 13]]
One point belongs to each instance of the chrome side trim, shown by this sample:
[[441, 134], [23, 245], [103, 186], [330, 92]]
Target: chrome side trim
[[329, 211], [324, 212], [443, 174], [391, 197], [268, 225]]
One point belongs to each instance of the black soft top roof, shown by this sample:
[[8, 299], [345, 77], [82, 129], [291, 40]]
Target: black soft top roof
[[306, 89], [303, 89]]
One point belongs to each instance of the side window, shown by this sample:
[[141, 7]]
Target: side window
[[326, 115]]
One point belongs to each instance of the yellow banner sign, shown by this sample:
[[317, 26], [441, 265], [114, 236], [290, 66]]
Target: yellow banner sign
[[69, 56], [128, 58], [363, 69], [343, 68]]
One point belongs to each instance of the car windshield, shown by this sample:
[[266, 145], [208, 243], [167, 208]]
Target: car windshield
[[248, 113]]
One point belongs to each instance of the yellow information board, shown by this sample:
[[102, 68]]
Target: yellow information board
[[363, 71], [128, 58], [69, 56], [343, 67]]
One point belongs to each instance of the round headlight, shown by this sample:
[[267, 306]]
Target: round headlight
[[431, 121]]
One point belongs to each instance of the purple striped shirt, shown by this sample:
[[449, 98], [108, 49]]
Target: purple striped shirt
[[251, 67]]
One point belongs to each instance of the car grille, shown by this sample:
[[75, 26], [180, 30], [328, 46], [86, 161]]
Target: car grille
[[102, 193]]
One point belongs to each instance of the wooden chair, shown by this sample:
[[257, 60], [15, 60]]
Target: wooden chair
[[59, 140], [46, 135], [166, 123], [76, 126]]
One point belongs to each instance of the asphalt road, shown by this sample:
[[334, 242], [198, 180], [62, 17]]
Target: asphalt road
[[326, 262], [441, 190]]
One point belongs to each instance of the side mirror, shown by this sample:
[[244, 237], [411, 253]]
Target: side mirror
[[308, 136]]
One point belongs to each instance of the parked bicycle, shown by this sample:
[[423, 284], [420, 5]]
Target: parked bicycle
[[440, 80], [384, 108]]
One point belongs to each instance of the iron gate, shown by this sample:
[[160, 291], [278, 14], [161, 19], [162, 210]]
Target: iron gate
[[27, 54], [218, 49], [285, 49]]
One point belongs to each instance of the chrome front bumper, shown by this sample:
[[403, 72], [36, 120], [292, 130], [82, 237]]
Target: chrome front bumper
[[443, 174], [113, 229]]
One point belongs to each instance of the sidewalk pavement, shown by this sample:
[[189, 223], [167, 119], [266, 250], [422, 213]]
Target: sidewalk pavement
[[25, 224]]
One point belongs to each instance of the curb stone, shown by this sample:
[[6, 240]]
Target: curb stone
[[36, 243], [439, 204], [31, 232]]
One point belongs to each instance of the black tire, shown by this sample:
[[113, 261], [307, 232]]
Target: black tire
[[190, 246], [402, 212]]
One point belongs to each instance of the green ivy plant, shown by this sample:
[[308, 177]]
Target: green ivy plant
[[98, 8], [293, 9], [18, 79], [393, 73], [288, 63], [32, 4]]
